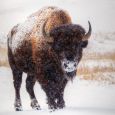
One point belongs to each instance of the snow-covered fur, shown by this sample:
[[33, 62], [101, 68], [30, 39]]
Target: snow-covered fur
[[32, 27], [31, 52]]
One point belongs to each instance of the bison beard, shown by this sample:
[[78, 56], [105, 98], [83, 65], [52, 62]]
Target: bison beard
[[48, 50]]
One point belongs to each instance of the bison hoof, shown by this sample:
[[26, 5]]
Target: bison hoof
[[61, 105], [52, 107], [18, 105], [36, 108], [35, 105], [18, 108]]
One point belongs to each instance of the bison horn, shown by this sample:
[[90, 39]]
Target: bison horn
[[88, 34], [46, 35], [43, 29]]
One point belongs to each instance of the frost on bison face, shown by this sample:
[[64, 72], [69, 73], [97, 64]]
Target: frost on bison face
[[48, 47], [68, 44]]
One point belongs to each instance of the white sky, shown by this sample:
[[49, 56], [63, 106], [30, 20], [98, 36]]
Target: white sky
[[101, 13]]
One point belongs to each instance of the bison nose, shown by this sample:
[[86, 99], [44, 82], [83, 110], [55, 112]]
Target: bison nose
[[69, 66], [65, 65], [75, 64]]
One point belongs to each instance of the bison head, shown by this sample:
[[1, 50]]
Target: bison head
[[68, 41]]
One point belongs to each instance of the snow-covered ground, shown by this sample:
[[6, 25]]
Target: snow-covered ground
[[82, 98]]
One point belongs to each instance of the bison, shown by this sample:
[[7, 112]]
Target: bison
[[48, 47]]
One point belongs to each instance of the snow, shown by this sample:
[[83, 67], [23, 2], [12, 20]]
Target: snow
[[3, 40], [69, 66], [22, 30], [101, 43], [82, 98]]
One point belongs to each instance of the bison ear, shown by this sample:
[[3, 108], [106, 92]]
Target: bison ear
[[84, 44]]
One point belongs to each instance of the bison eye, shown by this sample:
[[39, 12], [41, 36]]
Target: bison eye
[[84, 44], [58, 47], [74, 46]]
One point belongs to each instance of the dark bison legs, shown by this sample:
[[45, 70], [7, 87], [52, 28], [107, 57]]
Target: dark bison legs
[[55, 95], [60, 100], [17, 77], [30, 82], [55, 101]]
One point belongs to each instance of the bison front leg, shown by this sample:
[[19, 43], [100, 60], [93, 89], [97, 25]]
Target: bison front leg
[[17, 77], [60, 101], [51, 101], [60, 95], [50, 93], [55, 99], [30, 82]]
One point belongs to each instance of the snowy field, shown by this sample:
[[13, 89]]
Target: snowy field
[[93, 90], [82, 98]]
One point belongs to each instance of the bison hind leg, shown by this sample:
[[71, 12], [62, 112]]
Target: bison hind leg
[[30, 82], [17, 77]]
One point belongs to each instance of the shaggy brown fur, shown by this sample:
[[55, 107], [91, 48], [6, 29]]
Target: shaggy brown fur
[[41, 60]]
